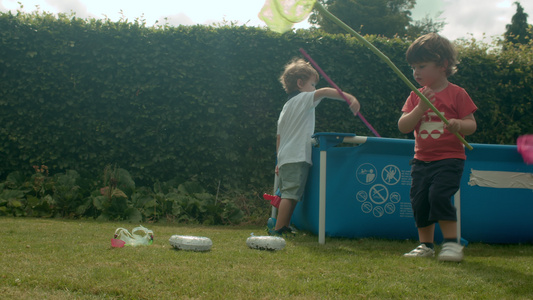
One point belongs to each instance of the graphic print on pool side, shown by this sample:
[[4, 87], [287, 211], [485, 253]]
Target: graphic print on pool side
[[377, 198], [366, 174], [391, 175]]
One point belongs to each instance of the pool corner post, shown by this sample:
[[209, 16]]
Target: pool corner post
[[322, 199], [457, 203], [325, 141], [274, 211]]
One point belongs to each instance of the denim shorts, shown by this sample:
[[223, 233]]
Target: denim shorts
[[434, 183], [292, 180]]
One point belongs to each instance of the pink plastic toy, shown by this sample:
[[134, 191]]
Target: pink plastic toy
[[524, 145], [116, 243], [274, 199]]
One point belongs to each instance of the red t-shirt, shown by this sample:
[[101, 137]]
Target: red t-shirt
[[432, 141]]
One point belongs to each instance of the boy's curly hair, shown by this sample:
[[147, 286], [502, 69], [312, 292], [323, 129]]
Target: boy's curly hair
[[432, 47], [296, 69]]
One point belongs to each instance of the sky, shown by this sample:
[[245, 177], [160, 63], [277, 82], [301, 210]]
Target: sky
[[480, 19]]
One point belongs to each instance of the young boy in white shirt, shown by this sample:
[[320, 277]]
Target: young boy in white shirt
[[296, 125]]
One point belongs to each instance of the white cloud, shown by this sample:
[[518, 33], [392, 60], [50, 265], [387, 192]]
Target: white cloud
[[478, 17], [67, 6]]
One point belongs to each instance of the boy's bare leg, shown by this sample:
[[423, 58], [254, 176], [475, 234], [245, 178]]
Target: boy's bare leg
[[449, 229], [286, 208], [426, 234]]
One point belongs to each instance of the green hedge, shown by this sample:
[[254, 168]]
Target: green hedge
[[196, 102]]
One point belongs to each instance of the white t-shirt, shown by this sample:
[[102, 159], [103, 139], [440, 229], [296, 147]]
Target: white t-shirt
[[296, 125]]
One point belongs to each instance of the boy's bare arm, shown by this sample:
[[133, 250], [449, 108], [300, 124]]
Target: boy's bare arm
[[332, 93], [408, 121], [466, 125]]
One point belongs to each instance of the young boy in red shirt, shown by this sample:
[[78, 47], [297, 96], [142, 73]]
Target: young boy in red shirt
[[439, 157]]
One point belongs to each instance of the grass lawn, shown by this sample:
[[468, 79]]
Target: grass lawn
[[73, 259]]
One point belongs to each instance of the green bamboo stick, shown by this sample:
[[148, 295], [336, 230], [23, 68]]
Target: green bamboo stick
[[361, 39]]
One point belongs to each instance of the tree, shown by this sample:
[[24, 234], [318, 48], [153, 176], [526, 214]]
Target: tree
[[424, 26], [388, 18], [518, 31]]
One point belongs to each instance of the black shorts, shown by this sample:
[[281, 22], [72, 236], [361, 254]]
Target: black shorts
[[434, 183]]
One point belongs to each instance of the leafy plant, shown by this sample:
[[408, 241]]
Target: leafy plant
[[12, 202], [64, 195], [67, 194], [114, 202], [27, 197]]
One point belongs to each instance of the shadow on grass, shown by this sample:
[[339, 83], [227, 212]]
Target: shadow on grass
[[350, 246], [390, 246], [515, 283]]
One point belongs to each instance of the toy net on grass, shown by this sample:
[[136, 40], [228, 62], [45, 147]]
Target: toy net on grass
[[138, 236]]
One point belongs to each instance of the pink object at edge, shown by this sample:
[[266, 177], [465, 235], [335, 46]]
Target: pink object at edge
[[524, 146]]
